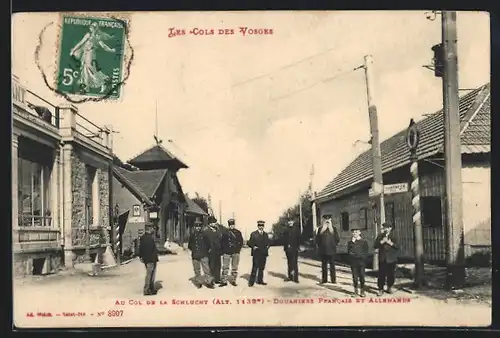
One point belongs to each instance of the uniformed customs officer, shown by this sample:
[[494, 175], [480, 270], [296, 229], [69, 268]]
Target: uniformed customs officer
[[327, 239], [357, 248], [259, 243], [291, 245], [232, 242], [199, 246], [214, 235]]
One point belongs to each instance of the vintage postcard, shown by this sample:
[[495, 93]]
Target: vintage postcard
[[229, 169]]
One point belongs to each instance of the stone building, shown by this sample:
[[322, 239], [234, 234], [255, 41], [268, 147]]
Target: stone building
[[61, 165]]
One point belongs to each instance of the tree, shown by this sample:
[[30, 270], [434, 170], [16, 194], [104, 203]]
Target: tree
[[201, 201]]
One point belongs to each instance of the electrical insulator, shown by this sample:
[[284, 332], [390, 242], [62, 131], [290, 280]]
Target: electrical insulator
[[438, 60]]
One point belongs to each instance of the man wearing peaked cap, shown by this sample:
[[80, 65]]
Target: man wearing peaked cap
[[232, 242], [214, 236], [291, 245], [259, 243], [199, 246]]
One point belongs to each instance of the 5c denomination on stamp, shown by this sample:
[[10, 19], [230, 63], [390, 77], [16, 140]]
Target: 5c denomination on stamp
[[91, 56]]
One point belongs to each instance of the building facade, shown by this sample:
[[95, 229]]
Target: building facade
[[61, 165], [347, 196], [151, 193]]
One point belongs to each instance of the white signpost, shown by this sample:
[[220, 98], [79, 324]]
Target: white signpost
[[389, 189]]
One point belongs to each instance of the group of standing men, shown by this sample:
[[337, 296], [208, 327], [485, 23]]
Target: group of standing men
[[212, 245], [327, 239]]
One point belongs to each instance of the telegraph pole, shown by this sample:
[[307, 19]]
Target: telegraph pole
[[455, 242], [220, 212], [300, 212], [378, 183]]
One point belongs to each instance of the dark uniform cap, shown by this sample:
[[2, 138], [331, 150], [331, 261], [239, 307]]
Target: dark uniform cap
[[327, 216], [354, 229], [197, 222], [212, 219], [260, 223], [230, 221], [386, 225]]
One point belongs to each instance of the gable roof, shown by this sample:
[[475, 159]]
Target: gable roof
[[194, 208], [474, 110], [144, 183], [157, 153]]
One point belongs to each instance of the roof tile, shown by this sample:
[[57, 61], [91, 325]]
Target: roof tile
[[146, 181], [395, 152]]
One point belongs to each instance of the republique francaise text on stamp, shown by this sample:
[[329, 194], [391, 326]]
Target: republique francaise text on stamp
[[91, 56]]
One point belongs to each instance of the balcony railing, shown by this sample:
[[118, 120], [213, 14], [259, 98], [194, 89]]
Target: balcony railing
[[42, 109], [90, 130]]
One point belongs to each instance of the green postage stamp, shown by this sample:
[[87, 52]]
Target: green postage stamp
[[91, 57]]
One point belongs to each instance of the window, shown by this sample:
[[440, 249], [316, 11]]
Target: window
[[431, 211], [91, 196], [363, 218], [389, 214], [344, 219], [33, 193]]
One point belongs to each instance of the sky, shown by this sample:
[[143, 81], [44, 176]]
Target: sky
[[250, 115]]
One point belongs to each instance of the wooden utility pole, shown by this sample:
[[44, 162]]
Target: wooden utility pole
[[455, 246], [220, 212], [300, 213], [378, 185]]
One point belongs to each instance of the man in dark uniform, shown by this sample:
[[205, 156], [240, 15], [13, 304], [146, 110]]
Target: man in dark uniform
[[387, 256], [357, 248], [148, 255], [327, 239], [259, 243], [214, 235], [291, 245], [199, 245], [232, 242]]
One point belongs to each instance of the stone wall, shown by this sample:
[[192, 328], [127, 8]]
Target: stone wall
[[79, 181], [103, 181]]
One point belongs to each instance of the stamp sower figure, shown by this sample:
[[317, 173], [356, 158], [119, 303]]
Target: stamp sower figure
[[259, 243], [232, 242], [85, 52], [357, 248], [199, 245], [149, 256], [291, 245], [327, 239], [388, 257], [214, 235]]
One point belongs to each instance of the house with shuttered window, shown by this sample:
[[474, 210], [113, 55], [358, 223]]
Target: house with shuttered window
[[347, 198]]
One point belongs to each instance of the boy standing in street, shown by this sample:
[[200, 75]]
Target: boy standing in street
[[149, 256], [357, 248], [388, 257]]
